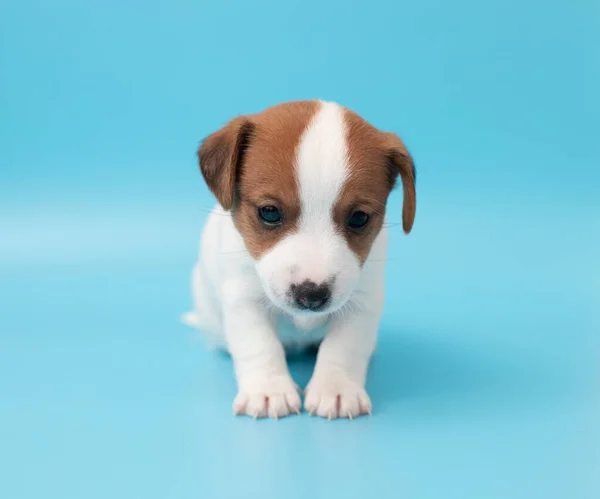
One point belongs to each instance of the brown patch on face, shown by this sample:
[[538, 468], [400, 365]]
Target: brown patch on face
[[250, 163], [220, 156], [375, 160]]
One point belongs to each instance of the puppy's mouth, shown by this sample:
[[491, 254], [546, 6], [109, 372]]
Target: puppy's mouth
[[314, 310], [309, 297], [306, 307], [310, 306], [302, 308]]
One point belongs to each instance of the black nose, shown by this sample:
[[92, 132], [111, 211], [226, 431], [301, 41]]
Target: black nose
[[310, 296]]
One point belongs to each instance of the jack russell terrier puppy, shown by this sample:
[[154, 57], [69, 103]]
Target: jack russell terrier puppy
[[294, 253]]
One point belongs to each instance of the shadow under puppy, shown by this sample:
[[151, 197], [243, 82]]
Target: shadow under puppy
[[294, 253]]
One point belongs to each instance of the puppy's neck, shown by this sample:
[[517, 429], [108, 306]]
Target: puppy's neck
[[306, 323]]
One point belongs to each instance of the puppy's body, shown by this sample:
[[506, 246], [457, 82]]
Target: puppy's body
[[294, 255], [223, 260]]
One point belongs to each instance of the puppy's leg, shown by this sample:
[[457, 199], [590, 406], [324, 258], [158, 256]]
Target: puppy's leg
[[265, 387], [337, 387]]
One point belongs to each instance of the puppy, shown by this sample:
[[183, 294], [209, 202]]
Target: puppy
[[294, 253]]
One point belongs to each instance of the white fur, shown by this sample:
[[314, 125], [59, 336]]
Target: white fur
[[242, 303], [315, 252]]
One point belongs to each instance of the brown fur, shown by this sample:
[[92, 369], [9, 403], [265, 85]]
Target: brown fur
[[375, 159], [267, 174], [250, 163], [221, 155], [401, 163]]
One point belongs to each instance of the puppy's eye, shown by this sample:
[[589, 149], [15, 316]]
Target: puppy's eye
[[358, 220], [270, 215]]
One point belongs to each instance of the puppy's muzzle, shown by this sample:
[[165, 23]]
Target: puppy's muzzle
[[311, 296]]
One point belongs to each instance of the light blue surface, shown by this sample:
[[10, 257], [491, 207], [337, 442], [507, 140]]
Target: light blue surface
[[487, 380]]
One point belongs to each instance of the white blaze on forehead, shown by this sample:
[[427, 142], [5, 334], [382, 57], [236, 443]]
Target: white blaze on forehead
[[315, 251], [321, 166]]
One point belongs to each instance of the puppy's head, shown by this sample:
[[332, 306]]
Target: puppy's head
[[307, 184]]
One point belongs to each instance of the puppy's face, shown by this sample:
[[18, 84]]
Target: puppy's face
[[307, 184]]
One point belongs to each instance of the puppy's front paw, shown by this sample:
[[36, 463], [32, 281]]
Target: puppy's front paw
[[336, 396], [273, 397]]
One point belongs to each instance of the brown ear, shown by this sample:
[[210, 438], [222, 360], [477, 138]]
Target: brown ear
[[221, 155], [401, 163]]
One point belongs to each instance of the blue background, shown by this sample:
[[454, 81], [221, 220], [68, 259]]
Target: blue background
[[487, 380]]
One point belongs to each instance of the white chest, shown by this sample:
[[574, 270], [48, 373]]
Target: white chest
[[300, 333]]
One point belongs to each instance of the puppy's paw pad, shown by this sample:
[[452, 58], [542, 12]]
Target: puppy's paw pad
[[336, 397], [274, 398]]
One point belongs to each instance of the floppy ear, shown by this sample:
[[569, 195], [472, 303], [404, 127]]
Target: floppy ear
[[401, 163], [220, 156]]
